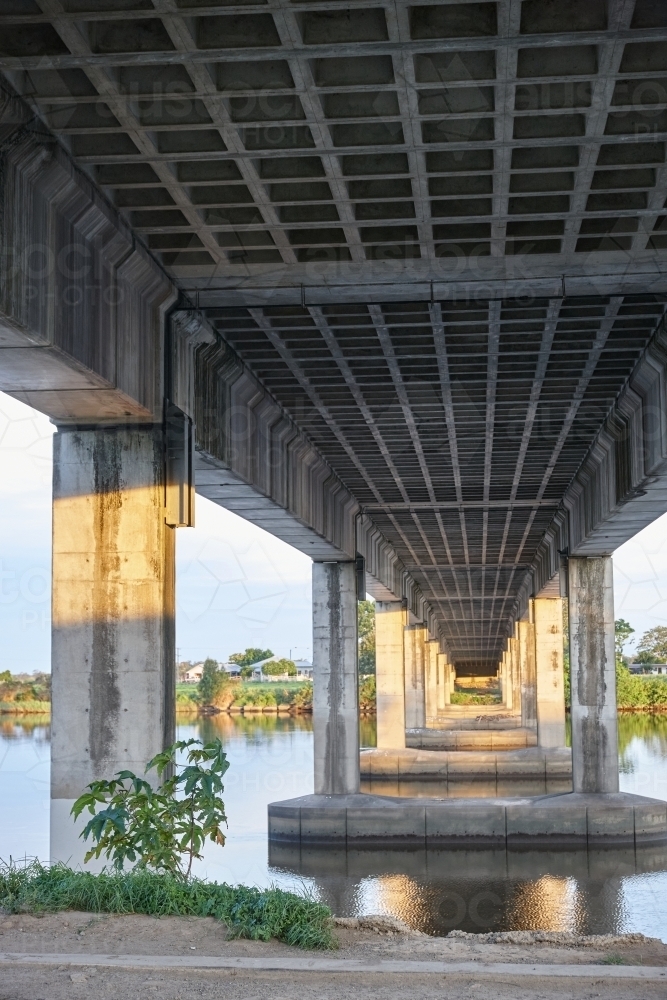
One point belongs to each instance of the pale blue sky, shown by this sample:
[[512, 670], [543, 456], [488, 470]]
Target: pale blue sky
[[236, 585]]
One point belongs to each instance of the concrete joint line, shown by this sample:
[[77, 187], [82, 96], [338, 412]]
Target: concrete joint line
[[340, 965]]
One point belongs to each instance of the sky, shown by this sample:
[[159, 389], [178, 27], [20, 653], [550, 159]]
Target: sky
[[236, 585]]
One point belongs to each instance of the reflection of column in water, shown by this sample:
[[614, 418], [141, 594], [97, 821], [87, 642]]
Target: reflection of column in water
[[547, 904], [603, 906], [405, 898]]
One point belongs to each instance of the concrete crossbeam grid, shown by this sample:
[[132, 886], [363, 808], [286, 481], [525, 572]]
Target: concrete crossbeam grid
[[455, 106]]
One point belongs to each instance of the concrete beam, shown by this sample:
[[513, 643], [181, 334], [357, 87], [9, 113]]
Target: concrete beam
[[82, 304]]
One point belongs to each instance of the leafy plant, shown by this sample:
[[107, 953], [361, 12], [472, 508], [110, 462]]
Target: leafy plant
[[164, 828]]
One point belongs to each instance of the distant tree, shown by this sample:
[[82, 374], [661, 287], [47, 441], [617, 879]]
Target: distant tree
[[654, 642], [366, 636], [213, 685], [182, 669], [251, 655], [275, 668], [246, 673], [622, 632]]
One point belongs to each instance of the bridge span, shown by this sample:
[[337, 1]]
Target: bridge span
[[388, 280]]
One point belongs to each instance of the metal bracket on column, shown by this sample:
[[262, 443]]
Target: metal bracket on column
[[179, 472], [360, 570]]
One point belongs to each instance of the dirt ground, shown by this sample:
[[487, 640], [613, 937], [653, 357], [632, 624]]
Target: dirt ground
[[85, 933]]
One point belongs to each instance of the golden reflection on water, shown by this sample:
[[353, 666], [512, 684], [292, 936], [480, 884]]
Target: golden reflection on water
[[13, 727], [403, 897], [547, 904]]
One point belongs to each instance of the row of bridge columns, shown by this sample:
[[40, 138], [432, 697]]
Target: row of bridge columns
[[113, 638], [415, 680]]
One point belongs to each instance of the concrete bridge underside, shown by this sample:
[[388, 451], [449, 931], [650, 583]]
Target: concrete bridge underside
[[389, 282]]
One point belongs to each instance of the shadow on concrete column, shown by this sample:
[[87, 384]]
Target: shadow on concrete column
[[113, 662], [548, 615], [431, 654], [390, 674], [593, 675], [335, 681], [415, 693], [527, 670]]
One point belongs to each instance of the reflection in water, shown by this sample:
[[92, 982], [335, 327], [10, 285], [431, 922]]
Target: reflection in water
[[590, 892], [435, 891], [548, 904]]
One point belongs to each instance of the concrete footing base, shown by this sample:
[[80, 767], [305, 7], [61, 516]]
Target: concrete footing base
[[449, 766], [471, 739], [567, 820]]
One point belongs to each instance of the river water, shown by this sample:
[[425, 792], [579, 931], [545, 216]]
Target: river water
[[602, 891]]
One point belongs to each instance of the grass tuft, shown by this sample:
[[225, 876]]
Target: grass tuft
[[247, 913]]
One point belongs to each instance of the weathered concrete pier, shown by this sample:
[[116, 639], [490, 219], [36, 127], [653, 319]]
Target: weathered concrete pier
[[390, 283]]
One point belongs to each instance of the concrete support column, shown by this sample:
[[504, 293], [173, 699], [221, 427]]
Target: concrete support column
[[335, 679], [415, 693], [452, 678], [548, 614], [515, 671], [444, 688], [593, 675], [390, 674], [527, 672], [113, 656], [432, 652], [506, 674]]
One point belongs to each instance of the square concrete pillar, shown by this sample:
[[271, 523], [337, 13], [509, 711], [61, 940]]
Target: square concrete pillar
[[593, 675], [527, 672], [516, 672], [113, 655], [548, 615], [506, 675], [444, 682], [335, 679], [415, 637], [432, 652], [452, 678], [390, 674]]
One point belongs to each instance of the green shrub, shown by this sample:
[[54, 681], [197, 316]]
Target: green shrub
[[213, 687], [470, 698], [367, 693], [278, 667], [247, 913]]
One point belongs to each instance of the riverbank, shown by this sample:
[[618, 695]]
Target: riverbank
[[64, 955]]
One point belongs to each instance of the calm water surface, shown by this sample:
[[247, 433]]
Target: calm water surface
[[271, 758]]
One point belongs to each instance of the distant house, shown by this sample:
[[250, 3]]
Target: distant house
[[648, 668], [233, 669], [193, 674], [304, 670]]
